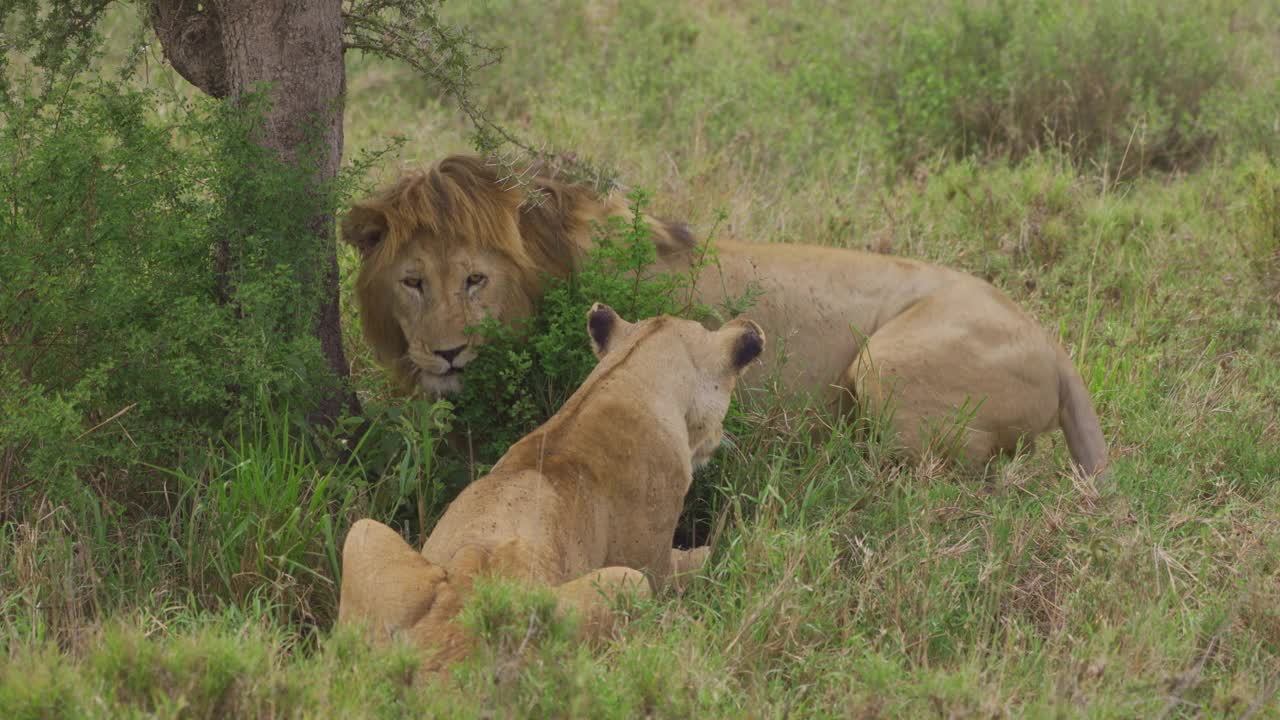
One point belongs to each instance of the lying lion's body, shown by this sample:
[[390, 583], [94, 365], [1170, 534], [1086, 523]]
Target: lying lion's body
[[931, 346], [578, 502], [927, 343]]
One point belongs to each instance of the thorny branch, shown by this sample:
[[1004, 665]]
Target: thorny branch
[[411, 32]]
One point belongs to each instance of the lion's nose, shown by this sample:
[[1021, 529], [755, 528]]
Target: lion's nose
[[451, 353]]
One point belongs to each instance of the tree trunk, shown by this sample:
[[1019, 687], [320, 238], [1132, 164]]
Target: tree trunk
[[230, 47]]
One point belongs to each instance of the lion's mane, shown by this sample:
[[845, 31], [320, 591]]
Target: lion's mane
[[541, 225]]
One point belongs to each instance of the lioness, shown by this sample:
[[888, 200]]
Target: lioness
[[587, 503], [445, 248]]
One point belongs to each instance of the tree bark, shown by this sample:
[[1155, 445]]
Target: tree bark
[[294, 47]]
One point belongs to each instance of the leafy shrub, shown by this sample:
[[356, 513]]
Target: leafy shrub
[[523, 375], [153, 279], [1122, 83], [529, 662]]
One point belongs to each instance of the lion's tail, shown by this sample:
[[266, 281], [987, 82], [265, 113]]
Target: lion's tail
[[1079, 421]]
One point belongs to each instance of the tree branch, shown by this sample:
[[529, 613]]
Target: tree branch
[[191, 35], [412, 32]]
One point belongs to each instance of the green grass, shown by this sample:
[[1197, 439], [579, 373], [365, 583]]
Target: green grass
[[842, 584], [261, 525]]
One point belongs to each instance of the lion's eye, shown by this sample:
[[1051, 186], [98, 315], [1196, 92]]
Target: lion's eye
[[475, 280], [413, 283]]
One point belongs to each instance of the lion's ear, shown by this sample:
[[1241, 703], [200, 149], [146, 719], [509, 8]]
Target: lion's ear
[[364, 229], [602, 325], [552, 227], [747, 343]]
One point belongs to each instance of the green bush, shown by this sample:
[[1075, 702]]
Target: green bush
[[528, 662], [153, 280], [523, 375], [509, 618], [1124, 84]]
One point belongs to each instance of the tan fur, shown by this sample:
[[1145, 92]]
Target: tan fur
[[576, 504], [926, 342]]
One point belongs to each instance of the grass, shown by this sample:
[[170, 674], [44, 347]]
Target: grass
[[842, 584]]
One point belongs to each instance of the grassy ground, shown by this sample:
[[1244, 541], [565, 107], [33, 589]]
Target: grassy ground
[[1111, 168]]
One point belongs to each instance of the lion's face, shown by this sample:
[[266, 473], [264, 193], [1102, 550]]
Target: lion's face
[[434, 292]]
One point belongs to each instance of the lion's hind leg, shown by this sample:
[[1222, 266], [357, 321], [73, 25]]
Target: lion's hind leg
[[959, 376], [394, 592], [593, 597]]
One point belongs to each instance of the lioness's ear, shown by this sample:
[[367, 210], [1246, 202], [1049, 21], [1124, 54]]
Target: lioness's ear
[[747, 344], [364, 228], [602, 325]]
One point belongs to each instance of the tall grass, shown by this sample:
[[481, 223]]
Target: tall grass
[[261, 524]]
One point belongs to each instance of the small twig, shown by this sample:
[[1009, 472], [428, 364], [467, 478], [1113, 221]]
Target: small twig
[[104, 422]]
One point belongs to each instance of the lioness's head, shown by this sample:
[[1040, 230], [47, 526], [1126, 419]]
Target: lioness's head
[[442, 250], [698, 366]]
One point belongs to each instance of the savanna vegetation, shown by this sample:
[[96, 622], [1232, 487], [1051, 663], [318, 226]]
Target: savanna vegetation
[[171, 513]]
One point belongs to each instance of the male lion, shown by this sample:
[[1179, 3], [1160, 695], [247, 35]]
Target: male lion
[[587, 503], [445, 248]]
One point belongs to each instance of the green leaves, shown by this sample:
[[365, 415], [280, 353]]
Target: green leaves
[[524, 374], [147, 267]]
